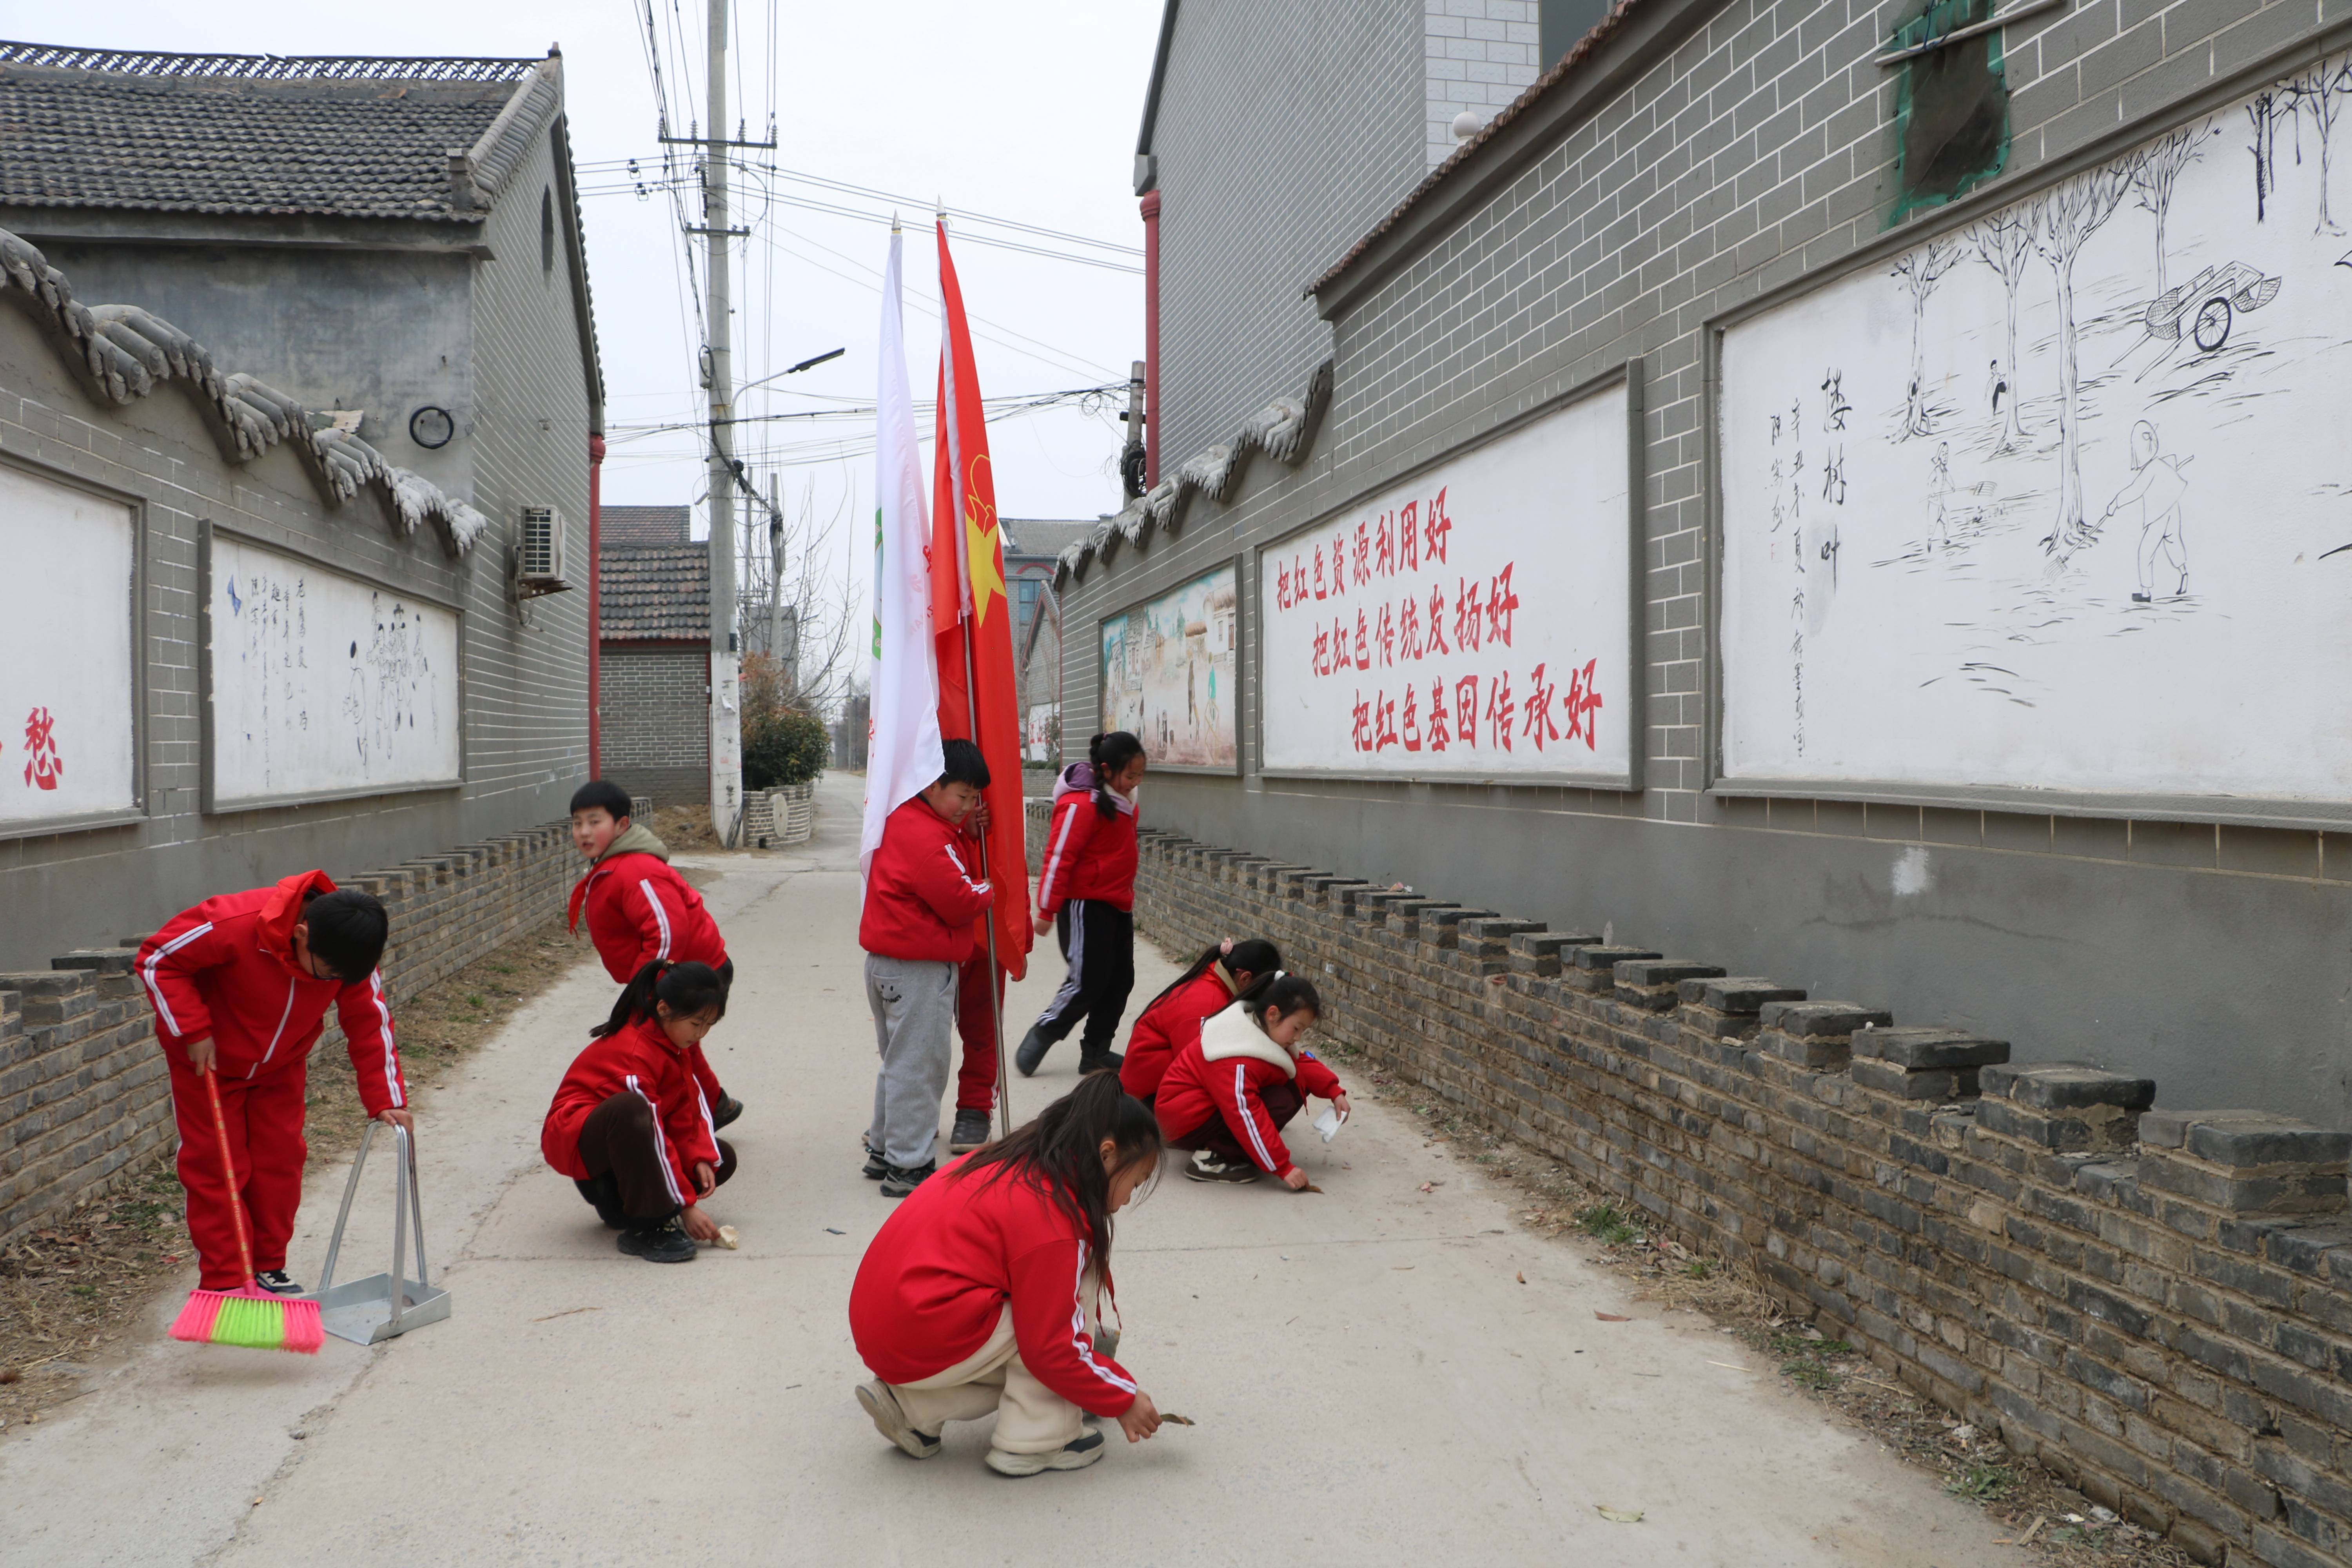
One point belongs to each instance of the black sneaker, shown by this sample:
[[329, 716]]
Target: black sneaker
[[1072, 1456], [1204, 1166], [667, 1245], [1033, 1049], [876, 1167], [728, 1108], [971, 1132], [1105, 1060], [277, 1282], [902, 1180]]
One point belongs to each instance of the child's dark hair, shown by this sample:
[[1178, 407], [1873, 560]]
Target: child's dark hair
[[1060, 1154], [1108, 755], [688, 988], [1286, 994], [963, 764], [348, 928], [607, 793], [1252, 957]]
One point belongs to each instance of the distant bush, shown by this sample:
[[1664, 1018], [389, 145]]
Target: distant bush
[[783, 748]]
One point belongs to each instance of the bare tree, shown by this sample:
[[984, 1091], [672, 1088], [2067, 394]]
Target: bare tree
[[1920, 270], [2065, 221], [2159, 170], [2004, 242], [2263, 113], [2315, 94], [817, 617]]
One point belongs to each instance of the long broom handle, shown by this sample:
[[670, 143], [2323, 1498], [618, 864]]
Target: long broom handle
[[228, 1171]]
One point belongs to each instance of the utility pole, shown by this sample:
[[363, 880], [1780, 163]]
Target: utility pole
[[776, 582], [726, 705], [1131, 460]]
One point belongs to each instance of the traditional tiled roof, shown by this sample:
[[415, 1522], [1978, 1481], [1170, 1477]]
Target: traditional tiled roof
[[626, 525], [654, 592], [256, 135], [1043, 536]]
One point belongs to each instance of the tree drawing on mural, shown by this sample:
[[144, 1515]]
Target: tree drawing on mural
[[2005, 243], [2158, 173], [2065, 221], [2262, 113], [2314, 95], [1920, 270]]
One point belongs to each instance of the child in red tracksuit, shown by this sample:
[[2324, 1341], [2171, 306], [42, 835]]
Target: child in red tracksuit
[[1085, 894], [980, 1294], [240, 985], [1174, 1017], [1228, 1095], [640, 911], [921, 900], [629, 1124]]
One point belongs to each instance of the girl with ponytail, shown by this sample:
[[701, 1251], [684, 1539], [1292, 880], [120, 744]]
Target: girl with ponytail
[[1174, 1018], [1087, 895], [1228, 1095], [631, 1126], [981, 1292]]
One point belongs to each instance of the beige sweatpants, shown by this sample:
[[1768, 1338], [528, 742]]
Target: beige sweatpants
[[1031, 1418]]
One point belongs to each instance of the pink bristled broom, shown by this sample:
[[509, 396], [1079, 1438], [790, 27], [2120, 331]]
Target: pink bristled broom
[[248, 1315]]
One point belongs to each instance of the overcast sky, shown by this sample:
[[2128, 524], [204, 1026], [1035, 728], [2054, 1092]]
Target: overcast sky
[[1024, 109]]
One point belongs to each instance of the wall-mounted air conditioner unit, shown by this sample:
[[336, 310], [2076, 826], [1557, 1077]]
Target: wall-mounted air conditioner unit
[[538, 553]]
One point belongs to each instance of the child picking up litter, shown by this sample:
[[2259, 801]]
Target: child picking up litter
[[629, 1124], [982, 1292], [640, 910], [240, 985], [1174, 1018], [1228, 1095]]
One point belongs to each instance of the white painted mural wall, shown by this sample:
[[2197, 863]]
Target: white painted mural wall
[[2061, 500], [67, 709]]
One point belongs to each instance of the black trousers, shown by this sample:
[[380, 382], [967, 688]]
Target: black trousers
[[1099, 941], [1282, 1102], [629, 1178]]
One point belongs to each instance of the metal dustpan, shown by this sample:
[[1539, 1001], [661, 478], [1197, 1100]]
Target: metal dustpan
[[368, 1311]]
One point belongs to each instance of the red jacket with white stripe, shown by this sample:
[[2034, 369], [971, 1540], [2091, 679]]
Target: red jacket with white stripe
[[937, 1276], [1087, 855], [640, 1060], [227, 969], [1170, 1024], [1224, 1072], [920, 899], [640, 910]]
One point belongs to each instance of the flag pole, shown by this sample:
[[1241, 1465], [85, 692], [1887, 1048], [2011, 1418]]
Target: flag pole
[[972, 717]]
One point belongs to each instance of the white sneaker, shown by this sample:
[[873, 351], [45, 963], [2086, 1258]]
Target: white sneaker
[[890, 1420], [1076, 1455]]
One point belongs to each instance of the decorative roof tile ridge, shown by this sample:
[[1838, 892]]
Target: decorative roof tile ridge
[[121, 352], [268, 68]]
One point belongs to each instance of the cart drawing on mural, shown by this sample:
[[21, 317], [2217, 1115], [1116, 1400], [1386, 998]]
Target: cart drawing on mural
[[2204, 310]]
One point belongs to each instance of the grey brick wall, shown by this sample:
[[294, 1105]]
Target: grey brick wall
[[655, 704], [2156, 1306], [1481, 55], [1755, 150], [85, 1101]]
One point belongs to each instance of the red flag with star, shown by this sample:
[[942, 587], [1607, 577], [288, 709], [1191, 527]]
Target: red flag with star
[[968, 596]]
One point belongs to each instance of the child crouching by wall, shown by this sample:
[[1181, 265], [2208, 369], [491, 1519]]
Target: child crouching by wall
[[982, 1291], [1173, 1020], [1228, 1095], [631, 1126]]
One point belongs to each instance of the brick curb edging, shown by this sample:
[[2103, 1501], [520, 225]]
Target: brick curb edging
[[85, 1102], [2157, 1305]]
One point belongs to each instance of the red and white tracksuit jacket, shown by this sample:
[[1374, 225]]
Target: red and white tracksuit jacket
[[1170, 1024], [640, 910], [640, 1060], [937, 1276], [1223, 1072], [1087, 855], [920, 898], [225, 969]]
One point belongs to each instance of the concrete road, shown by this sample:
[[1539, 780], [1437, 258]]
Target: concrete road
[[1371, 1382]]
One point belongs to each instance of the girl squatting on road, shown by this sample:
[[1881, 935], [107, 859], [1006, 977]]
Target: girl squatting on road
[[1085, 893], [982, 1290], [1228, 1095], [1173, 1019]]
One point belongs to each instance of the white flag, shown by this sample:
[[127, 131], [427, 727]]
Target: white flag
[[902, 749]]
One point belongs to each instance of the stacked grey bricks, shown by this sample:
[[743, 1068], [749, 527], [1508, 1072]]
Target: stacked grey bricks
[[2156, 1305], [85, 1101]]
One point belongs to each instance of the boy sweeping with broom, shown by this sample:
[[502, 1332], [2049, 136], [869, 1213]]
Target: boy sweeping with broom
[[240, 985]]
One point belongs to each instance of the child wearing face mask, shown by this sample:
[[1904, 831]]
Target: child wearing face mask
[[1228, 1095]]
